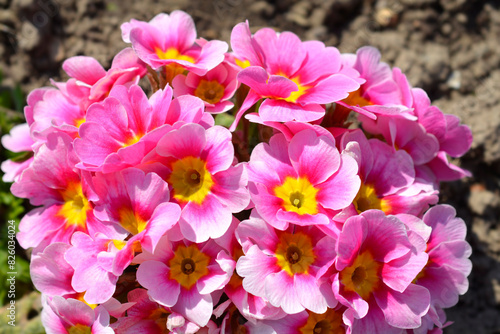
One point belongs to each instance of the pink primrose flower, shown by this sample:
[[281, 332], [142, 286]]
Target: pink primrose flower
[[234, 322], [51, 273], [454, 139], [287, 184], [383, 92], [149, 317], [64, 108], [215, 88], [428, 139], [249, 306], [18, 140], [283, 266], [63, 316], [53, 181], [445, 274], [183, 276], [198, 166], [120, 131], [388, 179], [310, 322], [294, 77], [138, 203], [171, 40], [377, 260], [89, 81], [90, 259]]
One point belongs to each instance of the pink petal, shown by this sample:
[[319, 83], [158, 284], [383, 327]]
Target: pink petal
[[308, 292], [85, 69], [254, 267], [72, 311], [188, 140], [153, 275], [230, 188], [313, 157], [399, 273], [266, 85], [243, 44], [18, 139], [272, 110], [341, 189], [208, 220], [281, 293], [50, 273], [334, 88], [404, 310], [165, 216], [195, 307], [218, 151]]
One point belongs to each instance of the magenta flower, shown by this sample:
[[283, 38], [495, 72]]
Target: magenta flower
[[388, 179], [51, 273], [54, 182], [120, 131], [445, 274], [171, 40], [18, 140], [250, 306], [91, 276], [183, 276], [215, 88], [138, 203], [383, 92], [64, 109], [199, 169], [428, 139], [62, 316], [282, 266], [294, 77], [148, 317], [310, 322], [376, 264], [454, 139], [89, 81], [287, 184]]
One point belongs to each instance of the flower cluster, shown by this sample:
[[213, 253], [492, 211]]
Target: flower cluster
[[152, 219]]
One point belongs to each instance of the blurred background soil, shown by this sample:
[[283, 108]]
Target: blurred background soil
[[450, 48]]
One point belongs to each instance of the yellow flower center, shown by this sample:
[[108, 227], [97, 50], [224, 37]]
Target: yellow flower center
[[75, 206], [173, 53], [188, 265], [191, 180], [242, 63], [367, 199], [294, 96], [329, 322], [79, 121], [209, 91], [298, 195], [131, 221], [295, 253], [79, 329], [132, 140], [363, 276], [355, 99], [79, 296]]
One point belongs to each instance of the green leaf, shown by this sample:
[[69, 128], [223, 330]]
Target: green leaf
[[224, 120]]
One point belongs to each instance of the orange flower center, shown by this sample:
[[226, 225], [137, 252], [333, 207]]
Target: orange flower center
[[209, 91]]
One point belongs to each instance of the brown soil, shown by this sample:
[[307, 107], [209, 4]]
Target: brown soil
[[448, 47]]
